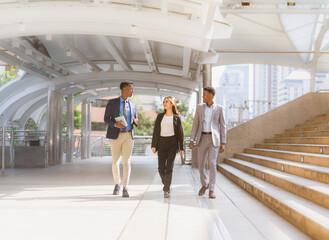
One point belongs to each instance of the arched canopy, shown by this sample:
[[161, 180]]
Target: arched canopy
[[91, 46]]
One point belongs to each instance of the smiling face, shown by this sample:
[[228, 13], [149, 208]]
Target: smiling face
[[167, 104]]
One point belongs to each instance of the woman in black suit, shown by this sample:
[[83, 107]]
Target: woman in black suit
[[168, 139]]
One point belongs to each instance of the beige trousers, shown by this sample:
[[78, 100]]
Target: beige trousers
[[123, 145]]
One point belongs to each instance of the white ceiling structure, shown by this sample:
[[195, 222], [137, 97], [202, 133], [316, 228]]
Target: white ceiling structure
[[90, 46]]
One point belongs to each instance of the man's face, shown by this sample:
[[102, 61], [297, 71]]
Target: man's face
[[128, 90], [206, 96]]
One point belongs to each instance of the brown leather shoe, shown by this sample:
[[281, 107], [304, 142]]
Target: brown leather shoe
[[203, 190], [212, 194]]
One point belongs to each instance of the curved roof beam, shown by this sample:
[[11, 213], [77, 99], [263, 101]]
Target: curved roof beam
[[23, 93], [31, 110], [115, 52], [149, 55], [16, 102], [26, 67], [177, 28], [9, 113], [31, 55], [86, 78], [65, 43]]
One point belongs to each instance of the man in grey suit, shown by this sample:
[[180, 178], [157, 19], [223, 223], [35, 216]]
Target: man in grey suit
[[209, 131]]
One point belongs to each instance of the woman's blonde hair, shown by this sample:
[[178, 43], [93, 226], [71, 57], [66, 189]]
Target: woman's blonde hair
[[173, 102]]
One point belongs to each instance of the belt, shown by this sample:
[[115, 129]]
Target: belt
[[125, 131], [206, 132]]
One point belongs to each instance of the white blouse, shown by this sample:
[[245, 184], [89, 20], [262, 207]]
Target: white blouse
[[167, 126]]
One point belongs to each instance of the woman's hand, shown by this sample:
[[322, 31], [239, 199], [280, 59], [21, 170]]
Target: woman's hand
[[154, 150], [182, 153]]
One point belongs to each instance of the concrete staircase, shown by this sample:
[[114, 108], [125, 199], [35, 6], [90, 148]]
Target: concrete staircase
[[289, 174]]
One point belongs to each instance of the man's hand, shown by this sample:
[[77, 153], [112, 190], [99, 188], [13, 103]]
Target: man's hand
[[222, 148], [119, 125], [135, 120], [154, 150], [191, 145]]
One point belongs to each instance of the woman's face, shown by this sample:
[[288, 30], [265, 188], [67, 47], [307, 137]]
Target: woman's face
[[167, 104]]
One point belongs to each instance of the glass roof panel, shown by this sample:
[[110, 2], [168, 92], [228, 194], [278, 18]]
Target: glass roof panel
[[300, 28]]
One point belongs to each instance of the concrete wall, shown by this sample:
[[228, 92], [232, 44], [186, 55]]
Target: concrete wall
[[273, 122], [30, 156]]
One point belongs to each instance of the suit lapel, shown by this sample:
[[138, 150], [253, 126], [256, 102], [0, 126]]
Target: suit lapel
[[203, 108], [117, 105], [214, 112]]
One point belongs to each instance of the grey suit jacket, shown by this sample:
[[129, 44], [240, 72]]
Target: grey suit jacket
[[218, 127]]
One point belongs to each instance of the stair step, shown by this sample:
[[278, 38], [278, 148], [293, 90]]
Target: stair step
[[300, 140], [308, 189], [317, 173], [310, 148], [318, 119], [323, 122], [309, 129], [308, 217], [303, 134], [302, 157]]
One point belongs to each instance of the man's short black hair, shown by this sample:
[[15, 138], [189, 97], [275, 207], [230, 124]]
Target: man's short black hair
[[210, 90], [124, 84]]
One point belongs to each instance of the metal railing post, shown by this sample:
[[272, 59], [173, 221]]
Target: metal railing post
[[12, 143], [3, 150], [102, 146]]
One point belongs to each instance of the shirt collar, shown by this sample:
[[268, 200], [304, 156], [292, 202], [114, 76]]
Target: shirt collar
[[122, 100], [212, 106]]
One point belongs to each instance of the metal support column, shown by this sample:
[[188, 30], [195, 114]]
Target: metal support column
[[59, 127], [69, 127], [88, 130], [12, 148], [84, 127], [206, 75], [54, 134], [3, 150]]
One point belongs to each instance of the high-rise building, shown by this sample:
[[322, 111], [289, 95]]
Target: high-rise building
[[232, 92], [267, 79]]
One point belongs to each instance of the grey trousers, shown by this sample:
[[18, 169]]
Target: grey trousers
[[207, 150]]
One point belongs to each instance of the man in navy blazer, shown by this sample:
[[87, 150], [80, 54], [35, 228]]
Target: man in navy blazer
[[121, 136]]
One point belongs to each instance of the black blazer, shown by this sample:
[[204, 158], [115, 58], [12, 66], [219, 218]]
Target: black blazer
[[178, 129], [112, 111]]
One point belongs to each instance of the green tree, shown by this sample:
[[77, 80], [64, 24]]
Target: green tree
[[6, 76], [77, 119], [145, 125], [187, 117], [30, 125]]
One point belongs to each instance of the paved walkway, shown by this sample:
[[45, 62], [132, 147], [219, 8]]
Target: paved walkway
[[75, 201]]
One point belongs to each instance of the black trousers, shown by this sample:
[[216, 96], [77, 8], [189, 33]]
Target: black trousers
[[166, 158]]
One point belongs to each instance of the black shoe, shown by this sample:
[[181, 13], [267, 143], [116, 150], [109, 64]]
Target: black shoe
[[125, 193], [116, 189]]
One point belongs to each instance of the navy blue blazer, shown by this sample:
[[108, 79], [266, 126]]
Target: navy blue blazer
[[112, 111]]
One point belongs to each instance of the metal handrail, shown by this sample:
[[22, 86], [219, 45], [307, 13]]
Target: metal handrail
[[3, 140]]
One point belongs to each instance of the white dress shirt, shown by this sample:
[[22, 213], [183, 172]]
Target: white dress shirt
[[206, 125]]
